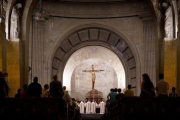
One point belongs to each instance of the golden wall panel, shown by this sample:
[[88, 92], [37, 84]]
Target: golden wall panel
[[170, 57], [13, 66]]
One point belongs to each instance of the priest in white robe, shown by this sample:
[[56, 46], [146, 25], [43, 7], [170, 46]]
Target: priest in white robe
[[88, 107], [81, 105], [102, 107], [93, 107]]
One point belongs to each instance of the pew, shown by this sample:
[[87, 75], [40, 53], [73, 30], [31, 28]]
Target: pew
[[34, 109], [146, 108]]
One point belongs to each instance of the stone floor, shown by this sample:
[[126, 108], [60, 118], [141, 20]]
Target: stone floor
[[91, 116]]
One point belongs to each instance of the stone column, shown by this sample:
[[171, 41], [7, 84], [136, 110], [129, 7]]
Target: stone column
[[3, 58], [149, 48], [37, 55]]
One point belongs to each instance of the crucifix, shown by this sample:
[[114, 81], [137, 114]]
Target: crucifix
[[93, 75]]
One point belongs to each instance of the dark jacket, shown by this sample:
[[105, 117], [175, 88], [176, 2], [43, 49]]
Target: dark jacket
[[34, 90], [3, 88], [56, 89]]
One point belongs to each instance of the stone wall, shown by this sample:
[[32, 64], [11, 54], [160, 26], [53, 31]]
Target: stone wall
[[1, 39], [81, 82], [51, 33], [95, 53]]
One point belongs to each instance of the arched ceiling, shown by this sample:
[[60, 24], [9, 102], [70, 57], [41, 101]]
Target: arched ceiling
[[99, 37]]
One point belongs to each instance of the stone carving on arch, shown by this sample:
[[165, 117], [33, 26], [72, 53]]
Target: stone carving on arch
[[96, 36]]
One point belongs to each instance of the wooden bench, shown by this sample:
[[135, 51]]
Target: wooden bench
[[33, 109], [147, 108]]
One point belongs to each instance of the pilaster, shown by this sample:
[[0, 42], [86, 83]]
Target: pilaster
[[149, 47]]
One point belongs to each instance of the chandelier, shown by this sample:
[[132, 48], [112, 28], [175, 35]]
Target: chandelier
[[40, 14]]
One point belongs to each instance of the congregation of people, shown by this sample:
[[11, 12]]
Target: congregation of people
[[147, 89], [55, 89]]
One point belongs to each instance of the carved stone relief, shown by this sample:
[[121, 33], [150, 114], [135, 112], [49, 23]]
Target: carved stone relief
[[14, 28], [168, 22]]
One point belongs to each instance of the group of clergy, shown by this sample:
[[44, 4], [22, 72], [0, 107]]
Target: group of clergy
[[90, 107]]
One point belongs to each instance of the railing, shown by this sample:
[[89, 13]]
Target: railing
[[35, 109], [149, 108]]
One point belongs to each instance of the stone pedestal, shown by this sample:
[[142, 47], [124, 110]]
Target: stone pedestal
[[94, 95]]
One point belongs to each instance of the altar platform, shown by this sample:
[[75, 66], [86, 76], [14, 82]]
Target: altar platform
[[91, 116]]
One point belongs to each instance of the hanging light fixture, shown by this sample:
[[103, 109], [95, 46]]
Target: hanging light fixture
[[40, 14]]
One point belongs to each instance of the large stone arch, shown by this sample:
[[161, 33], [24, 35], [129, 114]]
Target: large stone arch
[[99, 36]]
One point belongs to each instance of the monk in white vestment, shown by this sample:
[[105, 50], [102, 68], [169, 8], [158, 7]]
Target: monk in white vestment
[[81, 105], [93, 107], [88, 107], [102, 107]]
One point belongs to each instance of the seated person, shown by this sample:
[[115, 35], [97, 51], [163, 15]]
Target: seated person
[[24, 91], [173, 93], [45, 92], [18, 94], [129, 92]]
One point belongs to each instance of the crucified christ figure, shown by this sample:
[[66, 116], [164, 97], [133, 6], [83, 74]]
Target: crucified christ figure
[[93, 75]]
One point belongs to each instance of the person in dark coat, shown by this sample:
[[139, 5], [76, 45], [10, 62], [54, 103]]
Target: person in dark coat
[[56, 88], [34, 89], [18, 94], [147, 87], [3, 86]]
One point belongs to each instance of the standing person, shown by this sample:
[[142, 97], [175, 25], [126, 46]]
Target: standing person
[[115, 90], [74, 105], [81, 105], [147, 87], [3, 86], [66, 95], [102, 107], [24, 93], [35, 89], [112, 95], [119, 95], [6, 79], [56, 88], [129, 92], [173, 93], [45, 92], [162, 86], [93, 107], [88, 107]]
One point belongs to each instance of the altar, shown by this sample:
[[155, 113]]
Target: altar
[[94, 95]]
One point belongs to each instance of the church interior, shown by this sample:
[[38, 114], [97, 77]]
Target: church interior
[[91, 59]]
